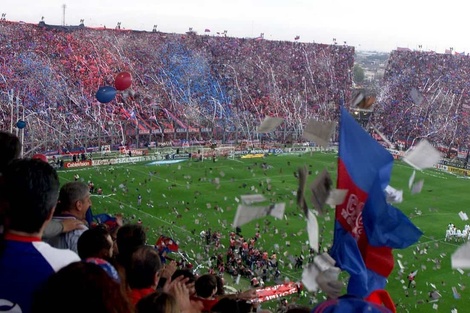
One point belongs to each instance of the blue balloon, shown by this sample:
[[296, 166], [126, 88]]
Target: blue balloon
[[106, 94], [21, 124]]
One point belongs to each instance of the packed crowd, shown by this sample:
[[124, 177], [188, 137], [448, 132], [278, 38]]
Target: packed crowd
[[187, 81], [425, 95], [245, 257], [199, 88]]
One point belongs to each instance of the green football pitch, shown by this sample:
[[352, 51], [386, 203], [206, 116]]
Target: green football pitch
[[182, 199]]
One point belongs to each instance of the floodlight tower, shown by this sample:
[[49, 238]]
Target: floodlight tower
[[63, 14]]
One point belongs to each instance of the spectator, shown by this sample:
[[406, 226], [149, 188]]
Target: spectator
[[190, 282], [220, 286], [82, 287], [177, 301], [158, 302], [227, 305], [128, 238], [95, 243], [56, 227], [143, 272], [108, 267], [206, 290], [30, 190], [74, 201], [10, 148], [166, 274]]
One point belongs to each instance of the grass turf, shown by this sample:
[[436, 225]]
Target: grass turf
[[182, 199]]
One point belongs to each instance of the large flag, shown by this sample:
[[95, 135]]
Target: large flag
[[366, 226]]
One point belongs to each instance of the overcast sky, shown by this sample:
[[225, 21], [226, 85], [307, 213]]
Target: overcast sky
[[365, 24]]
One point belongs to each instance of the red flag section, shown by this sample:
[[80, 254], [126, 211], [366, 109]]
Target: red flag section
[[367, 228], [166, 242], [277, 291]]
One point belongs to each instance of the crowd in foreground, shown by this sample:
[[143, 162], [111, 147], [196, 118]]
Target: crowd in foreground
[[51, 260]]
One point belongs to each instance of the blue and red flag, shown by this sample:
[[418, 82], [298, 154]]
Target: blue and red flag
[[166, 243], [110, 221], [367, 228]]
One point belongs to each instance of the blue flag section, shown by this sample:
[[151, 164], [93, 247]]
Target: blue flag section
[[386, 225], [367, 228]]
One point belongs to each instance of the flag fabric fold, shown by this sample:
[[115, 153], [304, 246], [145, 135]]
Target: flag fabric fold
[[366, 226], [385, 225], [166, 243]]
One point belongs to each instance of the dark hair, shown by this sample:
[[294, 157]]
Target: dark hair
[[158, 302], [220, 286], [10, 148], [187, 273], [81, 287], [128, 238], [144, 264], [70, 193], [205, 285], [30, 190], [93, 243], [230, 305]]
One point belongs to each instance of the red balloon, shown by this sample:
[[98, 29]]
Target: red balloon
[[41, 157], [123, 81]]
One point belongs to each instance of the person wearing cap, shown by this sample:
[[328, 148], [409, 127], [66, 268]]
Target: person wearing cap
[[30, 192], [74, 202]]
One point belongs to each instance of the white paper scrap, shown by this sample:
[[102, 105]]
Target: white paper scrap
[[422, 156], [321, 188], [393, 195], [312, 230], [249, 199], [319, 132], [336, 197], [269, 124], [417, 187], [412, 179], [461, 257], [246, 214]]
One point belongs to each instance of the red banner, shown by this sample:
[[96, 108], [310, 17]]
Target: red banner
[[77, 164], [277, 291], [134, 152]]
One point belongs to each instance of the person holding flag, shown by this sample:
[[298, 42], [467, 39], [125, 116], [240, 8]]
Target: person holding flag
[[367, 228]]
